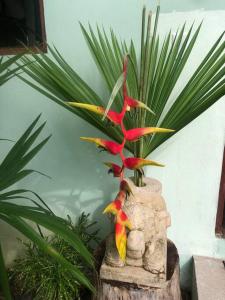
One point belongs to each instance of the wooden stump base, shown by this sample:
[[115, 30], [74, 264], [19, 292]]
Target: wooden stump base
[[118, 290]]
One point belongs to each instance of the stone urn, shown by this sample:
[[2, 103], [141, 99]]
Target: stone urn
[[146, 253]]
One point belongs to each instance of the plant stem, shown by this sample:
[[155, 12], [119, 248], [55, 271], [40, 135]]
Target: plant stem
[[137, 175], [144, 87], [145, 42]]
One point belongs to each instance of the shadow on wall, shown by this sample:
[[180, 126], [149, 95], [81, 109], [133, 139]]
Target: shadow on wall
[[186, 272], [9, 242]]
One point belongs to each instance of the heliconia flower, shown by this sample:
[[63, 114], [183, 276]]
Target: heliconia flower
[[133, 103], [128, 101], [93, 108], [110, 146], [120, 233], [114, 168], [123, 219], [136, 133], [121, 222], [121, 240], [113, 116], [124, 186], [121, 196], [113, 208], [135, 163]]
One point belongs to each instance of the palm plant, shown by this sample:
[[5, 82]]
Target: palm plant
[[151, 79], [19, 215]]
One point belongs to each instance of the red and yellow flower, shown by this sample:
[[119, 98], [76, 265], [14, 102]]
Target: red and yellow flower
[[115, 208], [110, 146], [135, 133]]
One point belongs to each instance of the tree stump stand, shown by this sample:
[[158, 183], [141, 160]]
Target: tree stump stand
[[118, 290]]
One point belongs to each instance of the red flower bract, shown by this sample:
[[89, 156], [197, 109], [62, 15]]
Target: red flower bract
[[110, 146], [114, 168], [134, 163], [136, 133]]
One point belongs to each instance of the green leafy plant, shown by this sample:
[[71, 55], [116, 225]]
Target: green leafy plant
[[17, 215], [42, 277], [151, 80]]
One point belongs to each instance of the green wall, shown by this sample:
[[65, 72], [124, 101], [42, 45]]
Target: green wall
[[79, 180], [187, 5]]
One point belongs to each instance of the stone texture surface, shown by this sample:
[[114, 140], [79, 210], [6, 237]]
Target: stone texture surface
[[111, 255], [154, 260], [129, 283], [131, 274], [147, 240], [136, 241], [208, 279], [135, 262]]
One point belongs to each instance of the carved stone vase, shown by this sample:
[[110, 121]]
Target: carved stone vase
[[147, 241]]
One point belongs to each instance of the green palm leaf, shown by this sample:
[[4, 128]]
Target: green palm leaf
[[152, 80], [70, 88], [49, 221]]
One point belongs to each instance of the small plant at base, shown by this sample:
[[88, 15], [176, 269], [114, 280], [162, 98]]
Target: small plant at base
[[37, 274], [132, 163]]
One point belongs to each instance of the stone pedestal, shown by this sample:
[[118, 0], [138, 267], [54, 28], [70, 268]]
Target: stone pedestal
[[151, 268], [129, 283], [146, 250], [208, 278]]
